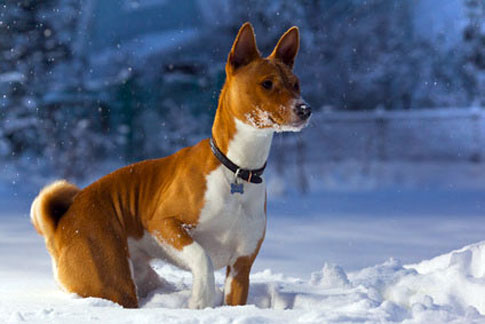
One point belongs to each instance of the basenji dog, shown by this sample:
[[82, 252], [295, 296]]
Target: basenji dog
[[202, 208]]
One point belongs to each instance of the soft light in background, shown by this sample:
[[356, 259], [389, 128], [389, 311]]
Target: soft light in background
[[391, 165]]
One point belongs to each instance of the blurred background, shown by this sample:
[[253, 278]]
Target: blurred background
[[398, 87], [391, 165]]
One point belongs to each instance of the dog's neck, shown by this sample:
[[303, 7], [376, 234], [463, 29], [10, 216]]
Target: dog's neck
[[249, 147], [244, 144]]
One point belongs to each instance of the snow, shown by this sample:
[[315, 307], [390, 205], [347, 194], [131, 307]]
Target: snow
[[389, 193], [329, 257]]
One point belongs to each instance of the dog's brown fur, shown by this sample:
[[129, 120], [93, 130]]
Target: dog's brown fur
[[86, 230]]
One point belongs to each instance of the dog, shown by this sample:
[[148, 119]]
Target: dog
[[202, 208]]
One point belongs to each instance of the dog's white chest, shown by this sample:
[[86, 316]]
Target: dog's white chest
[[230, 225]]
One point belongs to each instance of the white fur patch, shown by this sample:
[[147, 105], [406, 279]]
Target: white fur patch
[[192, 257], [228, 284], [231, 225], [33, 209], [250, 146], [262, 119], [203, 284]]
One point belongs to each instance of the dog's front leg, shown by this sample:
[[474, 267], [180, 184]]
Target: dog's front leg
[[236, 287], [203, 284], [192, 255]]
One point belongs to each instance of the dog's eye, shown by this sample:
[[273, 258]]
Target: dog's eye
[[267, 84], [296, 86]]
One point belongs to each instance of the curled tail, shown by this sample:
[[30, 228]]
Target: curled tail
[[49, 206]]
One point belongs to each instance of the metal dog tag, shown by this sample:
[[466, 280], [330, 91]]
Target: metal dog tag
[[237, 188]]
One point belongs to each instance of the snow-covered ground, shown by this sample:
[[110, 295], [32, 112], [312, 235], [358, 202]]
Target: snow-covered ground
[[329, 256]]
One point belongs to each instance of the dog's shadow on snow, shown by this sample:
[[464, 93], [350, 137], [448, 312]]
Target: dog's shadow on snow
[[262, 295], [267, 290]]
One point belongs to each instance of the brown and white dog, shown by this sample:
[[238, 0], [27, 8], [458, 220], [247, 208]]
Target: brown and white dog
[[202, 208]]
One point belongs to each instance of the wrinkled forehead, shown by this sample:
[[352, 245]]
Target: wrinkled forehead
[[267, 67]]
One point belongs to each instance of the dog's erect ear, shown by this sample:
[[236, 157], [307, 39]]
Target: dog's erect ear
[[287, 47], [244, 50]]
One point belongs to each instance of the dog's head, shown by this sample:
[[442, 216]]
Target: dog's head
[[265, 89]]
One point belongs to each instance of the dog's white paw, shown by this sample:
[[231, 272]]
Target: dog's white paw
[[202, 299]]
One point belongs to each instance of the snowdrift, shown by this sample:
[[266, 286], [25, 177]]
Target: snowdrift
[[448, 288]]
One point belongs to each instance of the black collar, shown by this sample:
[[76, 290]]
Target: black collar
[[253, 176]]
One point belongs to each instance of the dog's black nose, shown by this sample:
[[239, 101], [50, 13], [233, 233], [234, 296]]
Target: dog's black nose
[[303, 111]]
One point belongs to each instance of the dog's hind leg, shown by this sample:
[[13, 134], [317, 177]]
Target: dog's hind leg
[[92, 267]]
